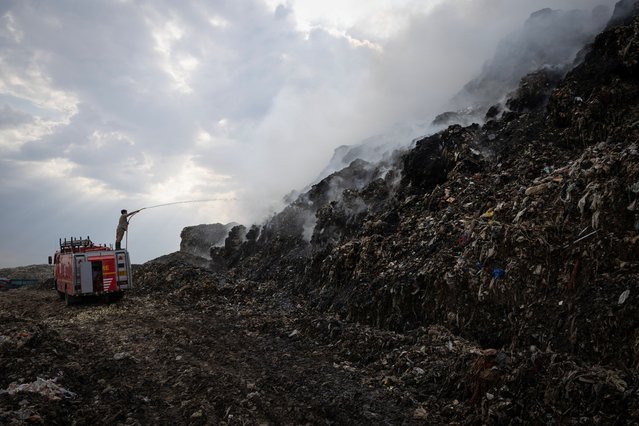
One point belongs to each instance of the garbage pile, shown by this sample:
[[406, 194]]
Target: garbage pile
[[519, 236], [197, 240], [48, 388], [177, 275], [33, 360], [512, 233], [450, 379], [39, 272], [29, 277]]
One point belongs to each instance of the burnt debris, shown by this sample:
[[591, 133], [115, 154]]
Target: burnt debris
[[519, 234], [487, 275]]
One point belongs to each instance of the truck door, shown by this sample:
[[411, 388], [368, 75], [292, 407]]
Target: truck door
[[86, 279], [96, 274]]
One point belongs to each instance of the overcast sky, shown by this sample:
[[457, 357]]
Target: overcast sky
[[109, 104]]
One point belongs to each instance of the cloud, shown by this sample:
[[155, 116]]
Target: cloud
[[10, 117], [426, 62], [109, 105]]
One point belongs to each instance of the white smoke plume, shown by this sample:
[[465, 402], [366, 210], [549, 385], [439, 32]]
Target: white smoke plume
[[108, 105]]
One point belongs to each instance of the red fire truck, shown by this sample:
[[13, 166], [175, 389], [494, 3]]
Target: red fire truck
[[82, 268]]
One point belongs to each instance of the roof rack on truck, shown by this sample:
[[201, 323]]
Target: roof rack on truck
[[79, 245]]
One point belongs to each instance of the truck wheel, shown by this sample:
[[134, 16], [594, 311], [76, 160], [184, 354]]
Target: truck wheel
[[115, 296], [68, 300], [60, 294]]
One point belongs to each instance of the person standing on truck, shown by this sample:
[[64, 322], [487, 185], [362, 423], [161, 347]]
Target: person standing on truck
[[123, 226]]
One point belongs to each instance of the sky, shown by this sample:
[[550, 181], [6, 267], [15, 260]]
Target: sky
[[112, 104]]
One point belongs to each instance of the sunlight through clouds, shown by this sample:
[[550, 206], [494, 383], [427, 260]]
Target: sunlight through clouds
[[105, 105], [177, 64], [188, 181]]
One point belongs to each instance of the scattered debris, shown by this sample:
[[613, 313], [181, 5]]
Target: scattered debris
[[623, 297], [482, 277], [48, 388]]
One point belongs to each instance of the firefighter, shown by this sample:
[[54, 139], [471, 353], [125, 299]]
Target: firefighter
[[123, 225]]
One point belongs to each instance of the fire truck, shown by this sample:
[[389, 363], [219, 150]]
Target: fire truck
[[82, 268]]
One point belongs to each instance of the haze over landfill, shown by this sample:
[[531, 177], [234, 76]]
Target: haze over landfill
[[481, 267], [109, 105]]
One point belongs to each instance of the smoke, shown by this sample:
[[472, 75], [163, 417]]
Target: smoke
[[532, 47], [309, 227], [460, 55], [225, 99], [457, 55], [437, 53]]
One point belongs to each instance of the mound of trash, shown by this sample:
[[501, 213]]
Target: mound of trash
[[488, 274], [512, 233], [31, 272]]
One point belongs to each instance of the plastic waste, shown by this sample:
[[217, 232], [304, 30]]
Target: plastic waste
[[497, 273], [623, 297], [488, 214], [48, 388]]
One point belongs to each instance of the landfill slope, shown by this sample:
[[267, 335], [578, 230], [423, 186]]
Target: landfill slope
[[511, 233], [487, 275], [36, 272], [520, 234]]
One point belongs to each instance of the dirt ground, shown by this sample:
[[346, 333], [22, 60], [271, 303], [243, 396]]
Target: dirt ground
[[212, 351], [149, 360], [520, 235]]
